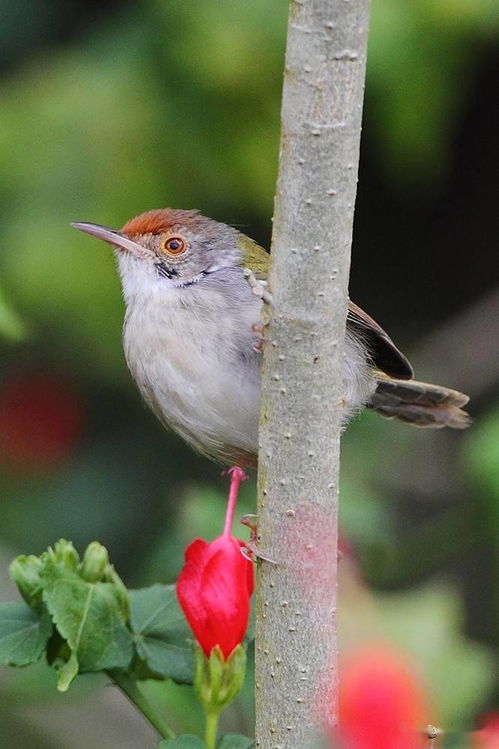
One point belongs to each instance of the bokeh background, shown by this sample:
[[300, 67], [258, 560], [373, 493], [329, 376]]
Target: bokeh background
[[110, 108]]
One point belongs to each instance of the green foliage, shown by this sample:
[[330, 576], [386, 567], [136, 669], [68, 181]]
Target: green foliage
[[162, 638], [11, 326], [188, 741], [98, 625], [89, 617], [79, 613], [459, 672], [23, 634], [234, 741], [420, 53]]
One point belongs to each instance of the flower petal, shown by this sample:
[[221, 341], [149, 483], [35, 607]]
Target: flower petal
[[214, 589]]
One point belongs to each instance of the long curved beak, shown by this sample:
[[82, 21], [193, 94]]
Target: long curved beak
[[111, 236]]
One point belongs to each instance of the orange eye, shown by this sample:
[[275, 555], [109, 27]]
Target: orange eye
[[174, 245]]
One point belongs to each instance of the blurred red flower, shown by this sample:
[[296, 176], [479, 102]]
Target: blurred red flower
[[40, 420], [488, 736], [214, 591], [381, 704]]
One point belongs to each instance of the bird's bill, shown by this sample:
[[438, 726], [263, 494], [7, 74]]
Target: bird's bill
[[116, 238]]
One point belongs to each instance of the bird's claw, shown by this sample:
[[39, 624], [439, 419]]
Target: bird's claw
[[251, 550], [250, 521], [258, 287], [260, 329]]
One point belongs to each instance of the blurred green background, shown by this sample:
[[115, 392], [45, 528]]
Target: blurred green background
[[111, 108]]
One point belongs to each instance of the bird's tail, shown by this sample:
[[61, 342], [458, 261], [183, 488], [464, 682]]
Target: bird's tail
[[420, 404]]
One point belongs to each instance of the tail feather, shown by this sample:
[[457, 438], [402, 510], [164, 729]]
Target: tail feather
[[420, 404]]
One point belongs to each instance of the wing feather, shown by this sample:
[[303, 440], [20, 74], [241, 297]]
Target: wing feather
[[384, 353]]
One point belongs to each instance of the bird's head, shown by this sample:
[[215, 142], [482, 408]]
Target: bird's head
[[169, 247]]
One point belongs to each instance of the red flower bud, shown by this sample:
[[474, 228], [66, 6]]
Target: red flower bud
[[381, 702], [214, 591]]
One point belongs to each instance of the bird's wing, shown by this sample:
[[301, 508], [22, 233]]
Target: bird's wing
[[384, 353], [255, 257]]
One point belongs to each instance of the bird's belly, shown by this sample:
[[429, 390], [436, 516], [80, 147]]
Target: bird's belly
[[201, 377], [198, 384]]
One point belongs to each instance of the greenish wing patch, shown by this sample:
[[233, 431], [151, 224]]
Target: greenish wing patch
[[255, 258]]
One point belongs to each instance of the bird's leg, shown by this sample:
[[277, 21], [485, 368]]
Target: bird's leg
[[258, 286], [250, 521], [250, 551], [236, 476], [259, 289]]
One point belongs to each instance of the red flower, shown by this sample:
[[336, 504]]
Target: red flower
[[214, 590], [40, 420], [488, 736], [381, 702]]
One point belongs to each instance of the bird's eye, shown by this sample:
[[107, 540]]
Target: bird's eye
[[174, 245]]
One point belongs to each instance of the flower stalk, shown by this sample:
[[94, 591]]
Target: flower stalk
[[210, 736], [130, 688]]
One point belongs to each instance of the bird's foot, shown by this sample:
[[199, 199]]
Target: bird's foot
[[258, 287], [259, 329], [252, 551]]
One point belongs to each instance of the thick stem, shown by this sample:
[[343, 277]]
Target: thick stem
[[210, 735], [302, 386], [129, 687]]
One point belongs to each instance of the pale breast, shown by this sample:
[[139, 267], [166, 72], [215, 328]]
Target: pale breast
[[191, 354]]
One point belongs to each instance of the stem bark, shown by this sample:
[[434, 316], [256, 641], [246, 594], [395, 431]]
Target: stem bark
[[302, 390]]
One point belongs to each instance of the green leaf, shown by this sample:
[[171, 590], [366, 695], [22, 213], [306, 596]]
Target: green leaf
[[162, 637], [235, 741], [23, 634], [89, 618], [187, 741]]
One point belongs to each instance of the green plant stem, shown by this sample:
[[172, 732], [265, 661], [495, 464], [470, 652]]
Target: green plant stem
[[129, 687], [210, 736]]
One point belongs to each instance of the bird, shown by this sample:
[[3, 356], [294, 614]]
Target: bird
[[192, 342]]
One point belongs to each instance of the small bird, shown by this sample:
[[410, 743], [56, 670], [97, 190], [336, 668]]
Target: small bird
[[192, 345]]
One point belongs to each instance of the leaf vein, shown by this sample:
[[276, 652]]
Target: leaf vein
[[84, 616]]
